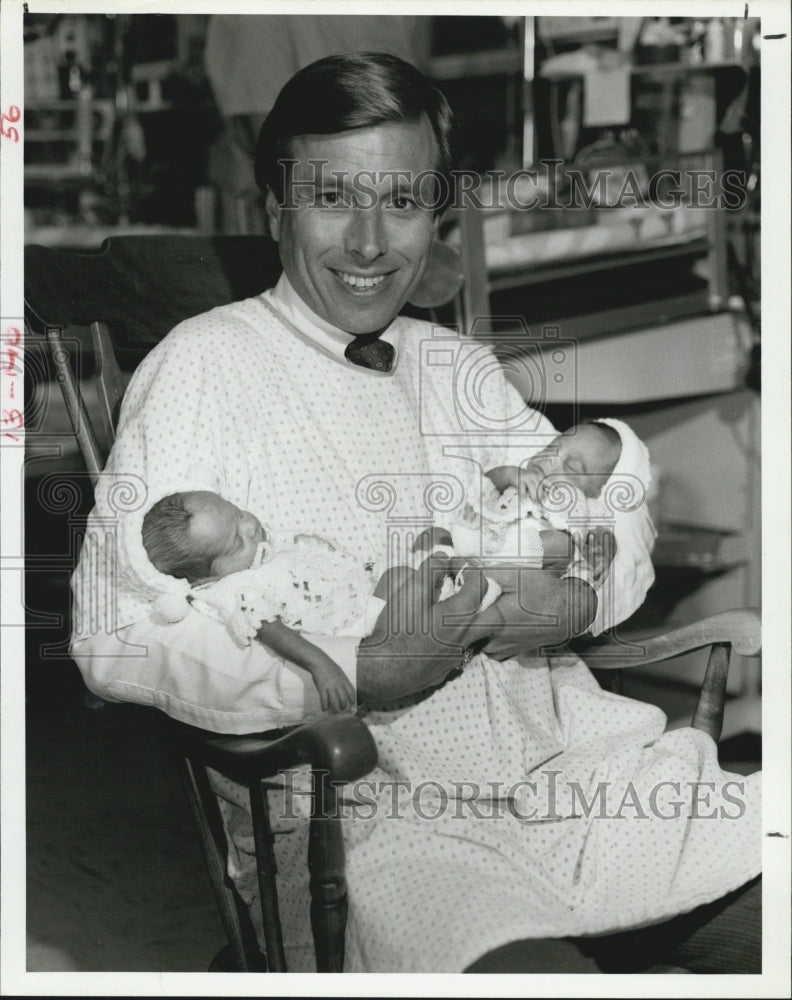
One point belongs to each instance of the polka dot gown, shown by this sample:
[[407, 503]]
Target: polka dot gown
[[477, 827], [518, 801]]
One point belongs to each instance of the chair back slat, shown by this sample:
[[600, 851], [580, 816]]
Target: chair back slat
[[109, 379], [93, 456]]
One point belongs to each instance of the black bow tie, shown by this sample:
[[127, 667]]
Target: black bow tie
[[369, 351]]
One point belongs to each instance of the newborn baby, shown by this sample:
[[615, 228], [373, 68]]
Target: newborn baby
[[237, 577], [566, 506], [259, 590]]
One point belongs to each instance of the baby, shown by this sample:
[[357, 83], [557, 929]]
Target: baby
[[235, 576], [526, 511], [568, 506]]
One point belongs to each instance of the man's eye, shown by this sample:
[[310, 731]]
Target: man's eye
[[330, 199], [402, 203]]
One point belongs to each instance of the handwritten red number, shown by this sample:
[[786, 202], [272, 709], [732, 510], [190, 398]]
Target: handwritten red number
[[13, 417], [12, 115], [12, 335]]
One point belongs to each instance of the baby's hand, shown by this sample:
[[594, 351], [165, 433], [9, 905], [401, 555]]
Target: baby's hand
[[504, 476], [526, 485], [336, 694], [598, 548]]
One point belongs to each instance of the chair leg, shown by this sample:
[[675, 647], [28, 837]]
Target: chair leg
[[327, 883], [708, 715], [267, 871], [235, 953], [226, 961]]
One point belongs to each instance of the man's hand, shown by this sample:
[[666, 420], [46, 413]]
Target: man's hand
[[536, 610], [417, 642]]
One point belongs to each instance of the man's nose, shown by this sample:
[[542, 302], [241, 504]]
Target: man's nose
[[365, 236]]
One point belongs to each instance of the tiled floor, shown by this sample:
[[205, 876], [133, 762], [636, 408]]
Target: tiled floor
[[115, 875]]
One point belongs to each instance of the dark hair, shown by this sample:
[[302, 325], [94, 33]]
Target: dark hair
[[612, 435], [356, 90], [166, 539], [613, 438]]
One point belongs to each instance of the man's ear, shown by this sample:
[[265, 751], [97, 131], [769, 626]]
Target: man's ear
[[273, 214]]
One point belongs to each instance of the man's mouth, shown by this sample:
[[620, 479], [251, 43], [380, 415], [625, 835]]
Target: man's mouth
[[361, 283]]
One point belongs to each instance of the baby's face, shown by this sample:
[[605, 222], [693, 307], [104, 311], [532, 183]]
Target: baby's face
[[228, 536], [584, 456]]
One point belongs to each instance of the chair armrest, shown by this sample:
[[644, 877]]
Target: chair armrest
[[741, 629], [341, 746]]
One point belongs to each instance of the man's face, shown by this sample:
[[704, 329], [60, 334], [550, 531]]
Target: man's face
[[353, 241]]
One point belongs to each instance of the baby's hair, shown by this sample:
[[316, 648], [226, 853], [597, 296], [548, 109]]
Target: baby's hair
[[166, 539], [613, 438], [612, 435]]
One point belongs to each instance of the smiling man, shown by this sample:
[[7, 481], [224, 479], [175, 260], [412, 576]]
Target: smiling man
[[325, 417], [342, 169], [354, 239]]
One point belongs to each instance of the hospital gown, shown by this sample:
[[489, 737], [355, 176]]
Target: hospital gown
[[300, 438]]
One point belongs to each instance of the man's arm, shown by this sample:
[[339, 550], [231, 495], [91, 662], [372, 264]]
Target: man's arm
[[558, 548], [417, 642], [542, 611], [194, 671], [539, 611]]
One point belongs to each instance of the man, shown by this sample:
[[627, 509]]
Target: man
[[315, 407]]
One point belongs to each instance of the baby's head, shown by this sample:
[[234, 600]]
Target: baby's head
[[199, 536], [584, 455]]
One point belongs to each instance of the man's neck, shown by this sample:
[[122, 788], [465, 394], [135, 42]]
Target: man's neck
[[285, 293], [285, 298]]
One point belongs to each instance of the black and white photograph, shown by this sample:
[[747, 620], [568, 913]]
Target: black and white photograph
[[395, 459]]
